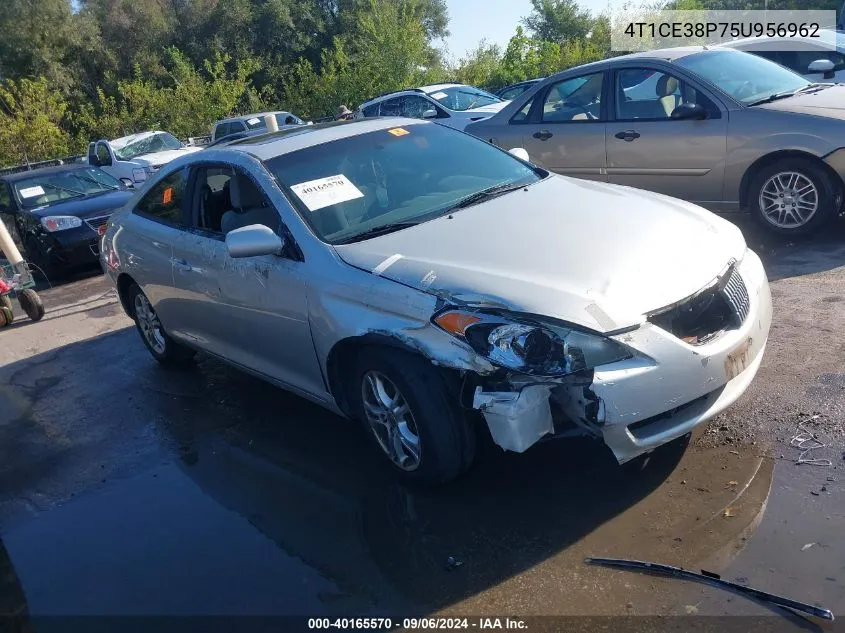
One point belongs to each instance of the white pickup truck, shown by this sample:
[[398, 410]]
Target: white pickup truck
[[133, 159]]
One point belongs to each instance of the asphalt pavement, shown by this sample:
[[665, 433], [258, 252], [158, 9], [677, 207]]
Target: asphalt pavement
[[131, 490]]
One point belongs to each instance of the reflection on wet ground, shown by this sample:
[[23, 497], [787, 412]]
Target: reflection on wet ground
[[208, 491]]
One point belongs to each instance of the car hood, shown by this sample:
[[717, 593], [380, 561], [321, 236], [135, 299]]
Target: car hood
[[597, 255], [90, 207], [828, 103], [160, 158]]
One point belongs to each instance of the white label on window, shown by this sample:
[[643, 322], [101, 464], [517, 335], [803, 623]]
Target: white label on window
[[439, 95], [32, 192], [254, 120], [324, 192]]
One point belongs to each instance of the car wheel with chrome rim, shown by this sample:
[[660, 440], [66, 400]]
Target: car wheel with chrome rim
[[412, 415], [164, 349], [794, 196]]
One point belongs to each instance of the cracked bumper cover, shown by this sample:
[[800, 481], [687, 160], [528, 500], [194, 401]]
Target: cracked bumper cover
[[662, 393]]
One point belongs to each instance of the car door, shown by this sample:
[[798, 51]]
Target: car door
[[251, 311], [145, 246], [647, 148], [563, 126]]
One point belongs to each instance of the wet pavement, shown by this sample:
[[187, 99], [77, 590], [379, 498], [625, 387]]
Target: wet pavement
[[128, 489]]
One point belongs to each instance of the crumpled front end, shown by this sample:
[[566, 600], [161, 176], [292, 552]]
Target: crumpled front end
[[688, 363]]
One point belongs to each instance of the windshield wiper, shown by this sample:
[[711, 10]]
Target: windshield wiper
[[384, 229], [97, 182], [713, 579], [65, 189], [486, 194], [791, 93]]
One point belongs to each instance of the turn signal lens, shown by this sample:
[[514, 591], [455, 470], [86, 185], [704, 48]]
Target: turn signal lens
[[456, 322]]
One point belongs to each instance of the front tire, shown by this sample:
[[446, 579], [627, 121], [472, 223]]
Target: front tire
[[163, 348], [411, 416], [795, 196]]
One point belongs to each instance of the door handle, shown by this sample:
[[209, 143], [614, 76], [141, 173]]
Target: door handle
[[543, 135], [627, 135]]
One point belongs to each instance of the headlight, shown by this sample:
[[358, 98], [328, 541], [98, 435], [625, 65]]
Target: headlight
[[53, 223], [139, 175], [539, 349]]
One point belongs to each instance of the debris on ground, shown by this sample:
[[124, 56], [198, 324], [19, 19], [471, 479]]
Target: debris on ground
[[807, 441], [453, 563], [808, 546], [728, 513], [814, 493]]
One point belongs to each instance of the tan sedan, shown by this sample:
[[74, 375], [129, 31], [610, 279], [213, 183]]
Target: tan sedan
[[725, 129]]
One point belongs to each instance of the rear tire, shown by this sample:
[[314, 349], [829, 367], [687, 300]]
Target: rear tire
[[163, 348], [794, 196], [5, 302], [31, 304], [430, 441]]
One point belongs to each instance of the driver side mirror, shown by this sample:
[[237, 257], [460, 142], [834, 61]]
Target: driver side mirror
[[126, 182], [431, 113], [253, 241], [689, 111], [824, 66]]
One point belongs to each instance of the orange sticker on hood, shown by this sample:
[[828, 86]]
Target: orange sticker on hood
[[398, 131]]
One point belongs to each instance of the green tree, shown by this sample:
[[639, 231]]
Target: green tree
[[481, 67], [558, 20], [31, 117]]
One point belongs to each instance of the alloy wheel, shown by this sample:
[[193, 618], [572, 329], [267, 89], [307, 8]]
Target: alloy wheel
[[391, 420], [788, 200], [149, 324]]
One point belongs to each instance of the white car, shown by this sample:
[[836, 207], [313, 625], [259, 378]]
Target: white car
[[820, 59], [453, 105], [132, 159]]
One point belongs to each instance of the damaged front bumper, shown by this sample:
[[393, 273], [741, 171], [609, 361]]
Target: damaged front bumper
[[660, 394]]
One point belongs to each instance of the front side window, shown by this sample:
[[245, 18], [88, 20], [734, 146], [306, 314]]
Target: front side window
[[747, 78], [575, 99], [53, 188], [163, 202], [391, 107], [656, 97], [512, 93], [221, 130], [158, 142], [286, 118], [355, 187], [371, 110], [415, 107], [462, 98], [226, 198]]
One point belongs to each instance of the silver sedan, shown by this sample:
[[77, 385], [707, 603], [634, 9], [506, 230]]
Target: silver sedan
[[419, 280], [724, 129]]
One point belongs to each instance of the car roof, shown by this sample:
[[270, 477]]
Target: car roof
[[662, 54], [273, 144], [825, 36], [438, 87], [256, 115], [43, 171]]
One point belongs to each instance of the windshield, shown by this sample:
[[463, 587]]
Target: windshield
[[48, 189], [352, 186], [460, 98], [746, 77], [158, 142], [282, 119]]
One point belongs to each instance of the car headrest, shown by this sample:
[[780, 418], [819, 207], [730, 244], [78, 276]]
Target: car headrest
[[666, 86], [244, 193]]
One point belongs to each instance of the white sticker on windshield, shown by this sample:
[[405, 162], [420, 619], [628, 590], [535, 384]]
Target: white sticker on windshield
[[324, 192], [31, 192], [254, 120], [439, 95]]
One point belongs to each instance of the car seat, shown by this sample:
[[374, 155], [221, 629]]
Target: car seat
[[249, 206]]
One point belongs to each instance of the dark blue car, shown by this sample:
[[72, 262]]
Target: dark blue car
[[55, 212]]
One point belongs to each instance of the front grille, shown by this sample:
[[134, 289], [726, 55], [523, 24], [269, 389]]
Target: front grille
[[737, 295], [96, 223], [722, 306]]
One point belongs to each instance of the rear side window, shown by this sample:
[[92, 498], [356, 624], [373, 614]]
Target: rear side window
[[221, 130], [164, 202], [370, 111]]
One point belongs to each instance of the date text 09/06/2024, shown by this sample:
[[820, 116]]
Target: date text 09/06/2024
[[722, 29], [421, 624]]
